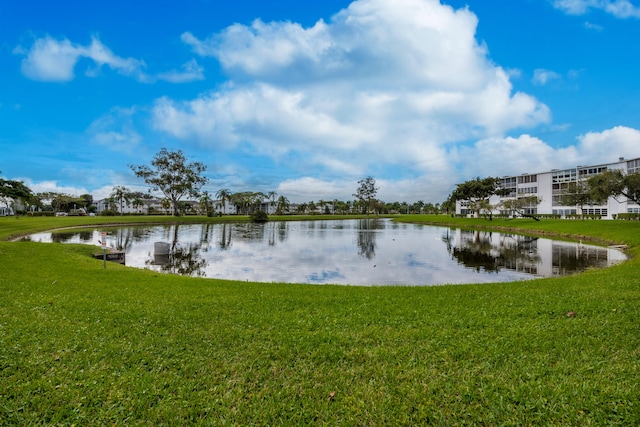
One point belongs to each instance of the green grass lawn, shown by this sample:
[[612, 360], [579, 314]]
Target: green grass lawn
[[87, 346]]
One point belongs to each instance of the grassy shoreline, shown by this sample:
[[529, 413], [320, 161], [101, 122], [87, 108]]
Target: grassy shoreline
[[84, 345]]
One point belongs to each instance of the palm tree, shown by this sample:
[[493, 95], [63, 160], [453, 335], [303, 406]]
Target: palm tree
[[302, 207], [205, 202], [241, 201], [257, 199], [122, 195], [322, 204], [224, 195], [166, 204], [271, 195], [137, 203], [311, 207], [282, 206]]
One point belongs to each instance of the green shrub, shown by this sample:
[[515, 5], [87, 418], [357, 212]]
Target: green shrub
[[259, 216], [629, 216], [42, 213]]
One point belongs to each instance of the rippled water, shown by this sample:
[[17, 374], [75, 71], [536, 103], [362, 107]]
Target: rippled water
[[356, 252]]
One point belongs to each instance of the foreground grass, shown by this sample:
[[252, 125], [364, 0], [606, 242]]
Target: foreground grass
[[83, 345]]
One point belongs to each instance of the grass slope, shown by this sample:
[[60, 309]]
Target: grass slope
[[83, 345]]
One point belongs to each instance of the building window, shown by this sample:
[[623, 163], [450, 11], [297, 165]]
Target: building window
[[591, 171], [528, 190], [526, 179], [508, 182], [568, 175], [595, 211], [564, 212]]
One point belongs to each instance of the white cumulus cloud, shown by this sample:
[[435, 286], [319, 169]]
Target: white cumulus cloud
[[619, 8], [376, 85], [608, 145], [55, 60], [528, 154]]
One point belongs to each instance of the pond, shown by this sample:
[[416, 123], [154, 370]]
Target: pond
[[355, 252]]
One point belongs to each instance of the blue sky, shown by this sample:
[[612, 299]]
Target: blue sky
[[305, 98]]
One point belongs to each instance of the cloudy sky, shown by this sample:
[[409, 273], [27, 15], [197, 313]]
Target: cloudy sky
[[305, 98]]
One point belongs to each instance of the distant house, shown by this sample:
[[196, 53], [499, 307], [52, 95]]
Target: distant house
[[227, 209], [148, 206], [155, 207], [7, 210]]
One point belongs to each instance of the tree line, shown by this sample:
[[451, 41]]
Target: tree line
[[172, 175], [177, 179], [12, 191]]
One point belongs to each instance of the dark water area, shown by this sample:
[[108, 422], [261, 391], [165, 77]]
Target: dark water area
[[354, 252]]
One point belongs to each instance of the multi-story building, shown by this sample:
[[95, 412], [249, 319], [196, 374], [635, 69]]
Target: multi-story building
[[550, 186]]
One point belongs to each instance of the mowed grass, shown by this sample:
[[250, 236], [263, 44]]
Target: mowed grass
[[87, 346]]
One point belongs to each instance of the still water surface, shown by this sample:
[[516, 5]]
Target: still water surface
[[356, 252]]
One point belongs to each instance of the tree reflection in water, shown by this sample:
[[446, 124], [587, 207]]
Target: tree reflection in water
[[342, 251], [367, 237], [181, 259], [224, 242], [126, 237], [479, 250], [475, 251], [68, 236]]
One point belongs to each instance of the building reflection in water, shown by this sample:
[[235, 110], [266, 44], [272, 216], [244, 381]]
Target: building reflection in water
[[490, 251], [360, 252]]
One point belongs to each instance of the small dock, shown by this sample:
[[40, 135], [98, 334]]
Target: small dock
[[113, 256]]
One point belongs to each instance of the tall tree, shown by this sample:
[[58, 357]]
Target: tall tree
[[271, 195], [521, 204], [136, 201], [477, 192], [302, 208], [247, 201], [239, 201], [366, 192], [224, 195], [577, 194], [282, 206], [173, 176], [12, 191], [312, 208], [62, 202], [614, 183], [166, 204], [86, 200], [448, 205], [206, 203], [122, 195]]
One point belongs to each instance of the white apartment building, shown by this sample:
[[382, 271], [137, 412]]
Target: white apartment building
[[549, 186]]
